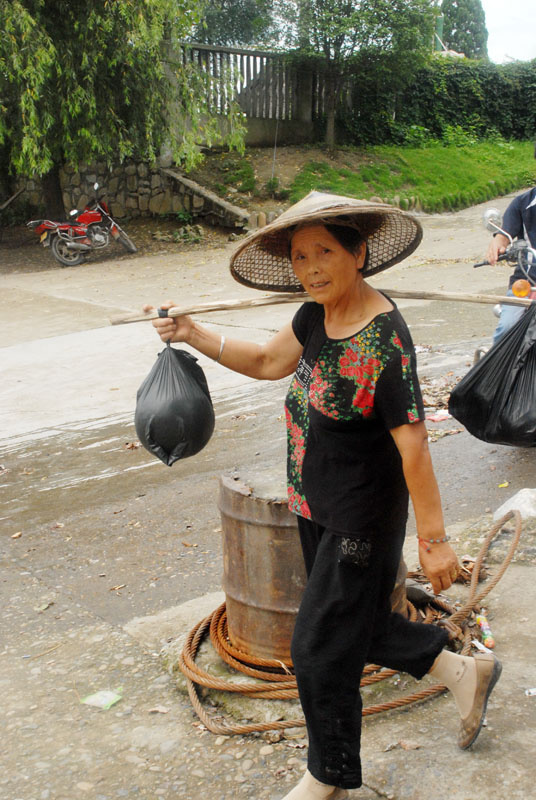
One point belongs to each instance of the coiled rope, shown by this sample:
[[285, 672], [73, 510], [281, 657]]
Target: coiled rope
[[274, 679]]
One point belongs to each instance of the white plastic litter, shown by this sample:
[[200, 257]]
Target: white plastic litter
[[104, 699], [524, 502]]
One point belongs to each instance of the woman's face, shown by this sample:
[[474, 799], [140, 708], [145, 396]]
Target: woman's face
[[326, 270]]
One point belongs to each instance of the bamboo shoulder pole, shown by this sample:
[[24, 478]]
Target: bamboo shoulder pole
[[225, 305], [492, 299], [297, 297]]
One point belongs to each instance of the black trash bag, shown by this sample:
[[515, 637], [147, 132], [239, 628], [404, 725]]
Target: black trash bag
[[174, 415], [496, 400]]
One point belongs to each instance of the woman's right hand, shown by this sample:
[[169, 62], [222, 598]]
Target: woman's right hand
[[171, 329], [497, 247]]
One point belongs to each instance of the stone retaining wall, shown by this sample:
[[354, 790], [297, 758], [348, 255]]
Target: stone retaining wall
[[137, 189]]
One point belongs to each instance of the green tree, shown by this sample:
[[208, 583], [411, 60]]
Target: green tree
[[103, 80], [237, 22], [464, 27], [338, 30]]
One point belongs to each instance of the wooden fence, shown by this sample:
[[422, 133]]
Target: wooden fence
[[265, 85]]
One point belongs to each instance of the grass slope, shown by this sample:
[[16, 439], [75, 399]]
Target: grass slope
[[433, 178]]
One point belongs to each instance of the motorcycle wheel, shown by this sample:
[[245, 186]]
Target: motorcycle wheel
[[127, 242], [66, 257]]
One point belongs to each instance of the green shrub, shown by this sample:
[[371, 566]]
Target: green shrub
[[243, 178], [184, 217], [457, 136], [416, 135], [272, 185]]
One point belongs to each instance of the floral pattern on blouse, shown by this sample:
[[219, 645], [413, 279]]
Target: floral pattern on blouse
[[341, 386]]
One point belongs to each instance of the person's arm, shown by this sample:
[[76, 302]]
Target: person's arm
[[276, 359], [438, 559]]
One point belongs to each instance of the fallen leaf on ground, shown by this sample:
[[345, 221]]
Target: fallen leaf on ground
[[433, 436], [439, 416], [45, 606], [405, 745]]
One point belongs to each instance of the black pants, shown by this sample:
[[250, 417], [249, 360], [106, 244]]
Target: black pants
[[345, 621]]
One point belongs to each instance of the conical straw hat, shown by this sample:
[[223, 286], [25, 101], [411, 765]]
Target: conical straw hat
[[263, 261]]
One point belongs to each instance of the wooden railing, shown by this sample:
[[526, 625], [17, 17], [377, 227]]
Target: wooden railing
[[263, 84]]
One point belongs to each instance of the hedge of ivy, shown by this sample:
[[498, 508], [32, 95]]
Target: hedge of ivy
[[477, 97]]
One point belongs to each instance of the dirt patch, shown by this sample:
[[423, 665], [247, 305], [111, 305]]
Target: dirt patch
[[220, 172]]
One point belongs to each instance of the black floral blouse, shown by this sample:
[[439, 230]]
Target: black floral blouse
[[343, 468]]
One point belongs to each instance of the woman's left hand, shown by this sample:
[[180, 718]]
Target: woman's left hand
[[439, 564]]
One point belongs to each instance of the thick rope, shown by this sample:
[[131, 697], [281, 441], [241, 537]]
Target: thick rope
[[279, 683]]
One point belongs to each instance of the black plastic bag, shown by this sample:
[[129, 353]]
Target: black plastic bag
[[496, 400], [174, 415]]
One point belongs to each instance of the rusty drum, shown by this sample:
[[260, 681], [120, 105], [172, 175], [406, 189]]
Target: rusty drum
[[263, 572]]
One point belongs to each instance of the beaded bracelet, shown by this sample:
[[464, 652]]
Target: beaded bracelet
[[432, 541]]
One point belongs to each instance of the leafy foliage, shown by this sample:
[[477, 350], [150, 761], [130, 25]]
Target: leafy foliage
[[446, 99], [340, 28], [237, 22], [480, 97], [464, 27], [389, 37], [103, 80]]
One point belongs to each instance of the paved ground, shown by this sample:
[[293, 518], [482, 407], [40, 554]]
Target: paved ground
[[107, 555]]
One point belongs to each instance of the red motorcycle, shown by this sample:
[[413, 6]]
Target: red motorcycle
[[87, 230]]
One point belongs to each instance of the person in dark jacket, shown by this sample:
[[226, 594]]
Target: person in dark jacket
[[519, 221], [357, 449]]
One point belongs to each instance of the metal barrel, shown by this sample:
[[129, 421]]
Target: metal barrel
[[263, 570]]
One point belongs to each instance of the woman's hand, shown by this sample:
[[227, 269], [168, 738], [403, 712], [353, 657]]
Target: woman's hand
[[439, 564], [276, 359], [171, 329]]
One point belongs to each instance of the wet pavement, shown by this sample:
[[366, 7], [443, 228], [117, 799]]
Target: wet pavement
[[106, 554]]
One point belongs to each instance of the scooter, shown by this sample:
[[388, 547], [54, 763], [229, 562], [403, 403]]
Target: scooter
[[86, 231], [518, 253]]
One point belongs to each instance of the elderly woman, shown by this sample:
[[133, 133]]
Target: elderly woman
[[357, 444]]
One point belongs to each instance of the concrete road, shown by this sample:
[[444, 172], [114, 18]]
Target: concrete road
[[102, 543]]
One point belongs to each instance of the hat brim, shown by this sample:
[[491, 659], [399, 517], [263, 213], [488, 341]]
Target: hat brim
[[262, 260]]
